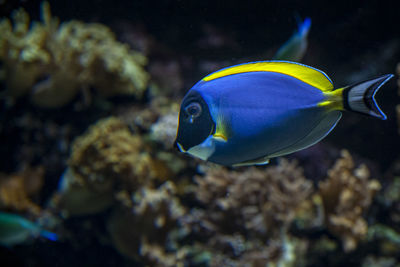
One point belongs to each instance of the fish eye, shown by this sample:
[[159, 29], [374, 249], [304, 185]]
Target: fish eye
[[193, 110]]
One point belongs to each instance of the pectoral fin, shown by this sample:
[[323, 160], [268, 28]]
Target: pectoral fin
[[220, 137]]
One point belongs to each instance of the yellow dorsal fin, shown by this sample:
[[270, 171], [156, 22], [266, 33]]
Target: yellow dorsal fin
[[309, 75]]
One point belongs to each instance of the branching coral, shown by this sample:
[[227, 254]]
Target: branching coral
[[111, 165], [144, 230], [164, 130], [346, 194], [53, 62], [109, 151], [258, 199], [109, 158], [160, 119], [16, 190], [255, 204]]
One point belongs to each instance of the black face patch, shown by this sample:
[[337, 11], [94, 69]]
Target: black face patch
[[195, 122]]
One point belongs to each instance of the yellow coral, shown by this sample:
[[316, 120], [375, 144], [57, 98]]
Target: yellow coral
[[346, 194], [54, 62], [260, 200], [109, 151], [148, 224], [108, 163], [16, 189]]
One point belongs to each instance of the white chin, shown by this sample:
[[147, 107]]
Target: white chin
[[203, 150]]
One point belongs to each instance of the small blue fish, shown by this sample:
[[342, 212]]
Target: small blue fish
[[295, 48], [15, 229], [249, 113]]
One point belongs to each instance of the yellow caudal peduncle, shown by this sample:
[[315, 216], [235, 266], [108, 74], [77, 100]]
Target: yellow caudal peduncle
[[309, 75], [333, 100]]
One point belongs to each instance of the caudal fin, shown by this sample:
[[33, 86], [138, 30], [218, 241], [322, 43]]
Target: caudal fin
[[360, 97]]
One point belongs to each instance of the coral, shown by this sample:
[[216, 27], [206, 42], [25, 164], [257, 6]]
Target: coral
[[245, 252], [109, 151], [160, 120], [110, 166], [164, 130], [17, 189], [346, 194], [156, 255], [53, 62], [144, 230], [109, 158], [258, 199], [254, 204], [237, 250]]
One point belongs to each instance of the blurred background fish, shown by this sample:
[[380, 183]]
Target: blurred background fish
[[15, 229], [295, 48]]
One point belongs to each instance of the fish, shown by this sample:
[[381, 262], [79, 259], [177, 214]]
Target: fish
[[249, 113], [295, 48], [15, 229]]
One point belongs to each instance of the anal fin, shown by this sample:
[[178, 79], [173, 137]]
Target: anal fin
[[258, 161], [322, 129]]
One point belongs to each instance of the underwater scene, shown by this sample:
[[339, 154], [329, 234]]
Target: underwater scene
[[199, 133]]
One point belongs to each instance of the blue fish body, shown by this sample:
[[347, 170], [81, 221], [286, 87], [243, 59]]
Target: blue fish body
[[279, 104], [249, 113]]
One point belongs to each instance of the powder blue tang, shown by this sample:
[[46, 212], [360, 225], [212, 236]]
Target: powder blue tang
[[262, 110]]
